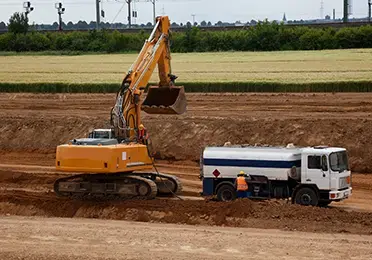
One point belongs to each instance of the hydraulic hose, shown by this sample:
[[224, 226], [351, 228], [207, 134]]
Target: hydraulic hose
[[158, 174]]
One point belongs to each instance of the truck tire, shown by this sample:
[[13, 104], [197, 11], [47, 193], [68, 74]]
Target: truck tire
[[226, 193], [306, 197]]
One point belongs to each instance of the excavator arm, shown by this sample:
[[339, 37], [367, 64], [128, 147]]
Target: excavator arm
[[162, 99]]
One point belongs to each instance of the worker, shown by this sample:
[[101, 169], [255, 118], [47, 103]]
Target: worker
[[241, 184], [142, 134]]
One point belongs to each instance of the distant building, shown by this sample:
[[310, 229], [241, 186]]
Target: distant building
[[239, 23], [284, 18]]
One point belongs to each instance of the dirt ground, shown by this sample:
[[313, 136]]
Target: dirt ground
[[28, 190], [36, 124], [33, 125], [55, 238]]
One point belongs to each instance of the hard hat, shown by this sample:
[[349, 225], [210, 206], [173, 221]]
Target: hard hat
[[140, 127], [241, 173]]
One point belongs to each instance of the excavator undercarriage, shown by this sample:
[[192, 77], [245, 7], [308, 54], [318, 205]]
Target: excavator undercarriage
[[118, 186]]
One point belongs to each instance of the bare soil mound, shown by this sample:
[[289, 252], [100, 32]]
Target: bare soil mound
[[37, 123], [239, 213], [185, 139]]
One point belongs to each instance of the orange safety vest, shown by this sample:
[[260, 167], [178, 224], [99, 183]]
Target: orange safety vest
[[241, 184], [142, 134]]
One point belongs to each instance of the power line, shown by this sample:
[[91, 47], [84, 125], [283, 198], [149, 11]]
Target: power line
[[121, 8], [134, 12], [153, 10], [48, 3]]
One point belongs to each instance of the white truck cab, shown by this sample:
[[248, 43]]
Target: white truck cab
[[328, 169], [308, 175]]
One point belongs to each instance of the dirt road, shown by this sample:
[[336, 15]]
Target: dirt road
[[39, 238]]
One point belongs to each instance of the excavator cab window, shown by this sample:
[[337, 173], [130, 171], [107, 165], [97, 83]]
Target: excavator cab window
[[101, 134]]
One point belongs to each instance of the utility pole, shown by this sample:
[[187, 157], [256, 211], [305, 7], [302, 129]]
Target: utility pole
[[134, 15], [61, 11], [369, 10], [153, 10], [346, 11], [193, 19], [334, 14], [98, 15], [28, 8], [129, 2]]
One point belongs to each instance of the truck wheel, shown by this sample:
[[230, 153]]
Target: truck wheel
[[226, 193], [306, 197]]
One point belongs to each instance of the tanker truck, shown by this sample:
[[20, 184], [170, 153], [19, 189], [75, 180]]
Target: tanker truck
[[313, 176]]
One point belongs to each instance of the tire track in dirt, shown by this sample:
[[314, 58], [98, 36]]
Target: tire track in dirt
[[25, 177]]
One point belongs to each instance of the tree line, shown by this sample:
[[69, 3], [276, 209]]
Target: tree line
[[83, 25], [265, 36]]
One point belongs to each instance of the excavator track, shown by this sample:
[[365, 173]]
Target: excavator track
[[118, 186], [106, 186]]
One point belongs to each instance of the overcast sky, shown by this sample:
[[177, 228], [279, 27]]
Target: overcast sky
[[182, 10]]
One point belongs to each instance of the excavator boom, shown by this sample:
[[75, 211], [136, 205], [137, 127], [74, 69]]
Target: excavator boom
[[165, 98]]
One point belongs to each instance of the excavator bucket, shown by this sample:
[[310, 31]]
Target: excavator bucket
[[165, 100]]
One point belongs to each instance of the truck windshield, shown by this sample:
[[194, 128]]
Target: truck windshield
[[339, 161], [101, 134]]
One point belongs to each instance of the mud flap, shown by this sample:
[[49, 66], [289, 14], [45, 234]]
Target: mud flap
[[165, 100]]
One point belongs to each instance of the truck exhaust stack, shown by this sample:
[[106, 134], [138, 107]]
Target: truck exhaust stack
[[165, 100]]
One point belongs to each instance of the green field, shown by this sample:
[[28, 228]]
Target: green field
[[291, 67]]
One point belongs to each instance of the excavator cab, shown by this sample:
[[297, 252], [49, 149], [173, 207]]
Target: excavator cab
[[165, 100]]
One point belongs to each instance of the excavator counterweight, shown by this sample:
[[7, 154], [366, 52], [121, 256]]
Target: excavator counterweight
[[165, 100]]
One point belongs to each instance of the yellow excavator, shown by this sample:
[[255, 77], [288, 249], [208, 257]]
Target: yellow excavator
[[116, 162]]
